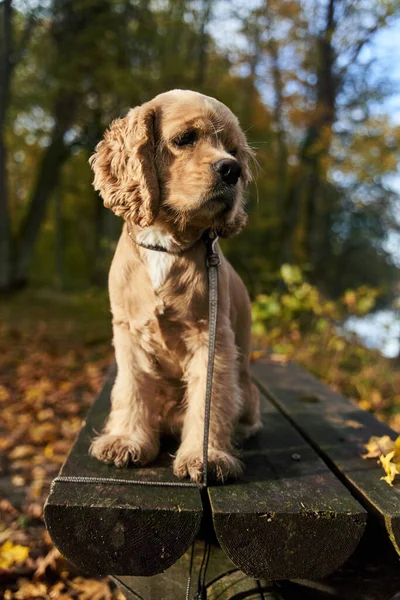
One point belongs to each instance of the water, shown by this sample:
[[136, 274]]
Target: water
[[380, 330]]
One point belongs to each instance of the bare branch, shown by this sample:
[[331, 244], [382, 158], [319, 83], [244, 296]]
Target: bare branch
[[25, 39], [366, 39]]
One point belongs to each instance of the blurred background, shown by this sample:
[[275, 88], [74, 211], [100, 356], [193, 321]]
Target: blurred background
[[316, 86]]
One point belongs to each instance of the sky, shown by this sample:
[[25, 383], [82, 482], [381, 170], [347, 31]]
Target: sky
[[382, 330]]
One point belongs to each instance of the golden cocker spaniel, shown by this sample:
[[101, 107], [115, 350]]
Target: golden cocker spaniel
[[172, 168]]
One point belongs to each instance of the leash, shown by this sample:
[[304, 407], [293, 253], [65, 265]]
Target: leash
[[212, 262]]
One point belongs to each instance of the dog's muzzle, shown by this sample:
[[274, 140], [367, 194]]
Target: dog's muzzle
[[228, 170], [222, 199]]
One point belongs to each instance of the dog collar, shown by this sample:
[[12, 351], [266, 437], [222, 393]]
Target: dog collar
[[159, 248]]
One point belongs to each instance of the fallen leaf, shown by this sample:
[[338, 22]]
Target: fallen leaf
[[43, 433], [396, 455], [22, 451], [18, 481], [389, 467], [278, 358], [6, 506], [11, 554], [4, 535], [34, 510], [353, 424], [50, 560], [31, 590], [45, 414], [4, 394], [376, 446], [388, 452], [92, 589], [256, 354]]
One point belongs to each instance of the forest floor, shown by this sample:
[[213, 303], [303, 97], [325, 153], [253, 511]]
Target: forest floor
[[54, 352]]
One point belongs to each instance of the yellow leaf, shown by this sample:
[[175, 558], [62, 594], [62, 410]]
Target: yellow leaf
[[45, 432], [388, 452], [389, 468], [12, 553], [256, 354], [396, 456], [4, 394], [388, 479], [45, 414], [48, 451]]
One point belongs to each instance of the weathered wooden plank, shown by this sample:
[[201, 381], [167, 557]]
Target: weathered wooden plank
[[120, 529], [338, 429], [288, 516], [222, 580], [371, 573]]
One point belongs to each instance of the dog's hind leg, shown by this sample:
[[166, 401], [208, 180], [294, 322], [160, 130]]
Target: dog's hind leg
[[249, 420]]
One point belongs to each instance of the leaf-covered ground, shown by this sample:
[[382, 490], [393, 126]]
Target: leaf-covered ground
[[54, 352]]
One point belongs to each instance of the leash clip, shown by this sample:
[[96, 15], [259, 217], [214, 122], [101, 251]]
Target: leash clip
[[212, 258]]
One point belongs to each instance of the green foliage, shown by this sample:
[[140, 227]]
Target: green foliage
[[302, 307], [320, 200], [299, 323]]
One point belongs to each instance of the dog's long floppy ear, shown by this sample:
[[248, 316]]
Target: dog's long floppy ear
[[124, 167]]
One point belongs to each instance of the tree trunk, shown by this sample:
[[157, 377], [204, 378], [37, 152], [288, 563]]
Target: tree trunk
[[68, 24], [304, 206], [203, 44], [326, 100], [5, 79], [58, 242], [282, 151], [5, 229], [49, 172], [107, 232]]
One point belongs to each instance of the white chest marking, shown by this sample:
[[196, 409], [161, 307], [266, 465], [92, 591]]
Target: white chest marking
[[159, 263]]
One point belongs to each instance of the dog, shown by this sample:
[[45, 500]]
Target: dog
[[173, 168]]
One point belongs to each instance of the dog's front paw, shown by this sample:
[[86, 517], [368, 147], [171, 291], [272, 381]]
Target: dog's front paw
[[221, 465], [122, 450]]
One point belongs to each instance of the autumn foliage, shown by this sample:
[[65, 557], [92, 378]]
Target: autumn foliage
[[53, 359], [296, 322], [312, 94]]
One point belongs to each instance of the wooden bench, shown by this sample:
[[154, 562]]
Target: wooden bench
[[309, 512]]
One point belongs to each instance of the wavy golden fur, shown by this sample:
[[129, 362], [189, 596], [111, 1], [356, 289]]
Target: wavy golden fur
[[172, 168]]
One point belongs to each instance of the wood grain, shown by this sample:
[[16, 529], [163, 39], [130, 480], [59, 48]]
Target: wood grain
[[120, 529], [288, 516], [338, 430]]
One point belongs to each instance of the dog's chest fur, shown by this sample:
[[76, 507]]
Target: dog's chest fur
[[159, 263]]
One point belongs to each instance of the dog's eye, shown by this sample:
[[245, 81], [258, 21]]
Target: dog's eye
[[186, 139], [233, 152]]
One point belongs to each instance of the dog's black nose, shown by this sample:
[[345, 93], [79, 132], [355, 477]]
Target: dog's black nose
[[229, 170]]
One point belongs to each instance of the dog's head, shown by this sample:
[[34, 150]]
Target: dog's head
[[182, 158]]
